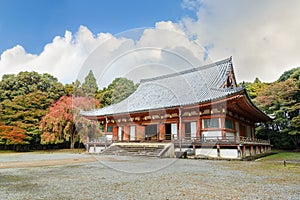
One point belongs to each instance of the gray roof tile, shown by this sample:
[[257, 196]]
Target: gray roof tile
[[187, 87]]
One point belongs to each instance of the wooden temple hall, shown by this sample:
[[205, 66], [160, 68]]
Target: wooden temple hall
[[199, 111]]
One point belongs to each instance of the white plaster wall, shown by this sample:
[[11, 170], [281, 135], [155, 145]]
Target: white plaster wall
[[212, 134], [229, 153], [108, 137], [229, 135], [207, 152]]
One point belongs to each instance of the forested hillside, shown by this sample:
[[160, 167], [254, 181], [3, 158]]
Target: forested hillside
[[280, 100], [37, 111]]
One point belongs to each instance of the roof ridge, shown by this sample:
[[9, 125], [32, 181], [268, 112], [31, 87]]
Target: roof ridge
[[187, 70], [238, 88]]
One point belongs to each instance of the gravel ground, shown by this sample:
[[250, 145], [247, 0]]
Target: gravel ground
[[112, 177], [21, 157]]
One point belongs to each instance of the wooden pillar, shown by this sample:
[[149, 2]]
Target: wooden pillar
[[105, 126], [126, 133], [244, 152], [223, 128], [198, 133], [239, 151], [261, 149], [194, 149], [251, 150], [218, 150], [115, 133], [162, 131], [200, 128], [140, 132], [87, 147], [182, 130]]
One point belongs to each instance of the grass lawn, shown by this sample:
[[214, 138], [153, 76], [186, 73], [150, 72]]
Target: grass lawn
[[283, 155], [272, 166]]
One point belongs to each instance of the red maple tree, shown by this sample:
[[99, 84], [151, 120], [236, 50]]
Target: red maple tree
[[12, 135], [63, 123]]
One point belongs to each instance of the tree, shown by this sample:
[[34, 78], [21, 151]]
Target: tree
[[89, 86], [287, 74], [281, 100], [25, 112], [25, 98], [26, 82], [294, 111], [63, 123], [12, 135], [116, 92], [254, 88], [74, 89]]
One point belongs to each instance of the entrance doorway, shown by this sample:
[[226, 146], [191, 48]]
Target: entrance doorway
[[168, 131], [151, 132]]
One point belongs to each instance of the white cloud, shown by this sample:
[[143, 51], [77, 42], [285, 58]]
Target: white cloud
[[262, 36], [164, 48], [63, 57], [14, 58], [159, 50]]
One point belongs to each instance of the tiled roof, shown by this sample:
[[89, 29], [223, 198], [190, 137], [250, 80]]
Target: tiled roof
[[187, 87]]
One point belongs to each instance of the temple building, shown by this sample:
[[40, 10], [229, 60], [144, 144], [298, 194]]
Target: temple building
[[200, 111]]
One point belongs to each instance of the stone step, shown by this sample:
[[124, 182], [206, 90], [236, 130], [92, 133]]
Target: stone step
[[134, 150]]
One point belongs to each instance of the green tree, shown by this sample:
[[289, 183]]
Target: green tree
[[254, 88], [116, 92], [287, 74], [26, 82], [89, 86], [281, 100], [25, 98], [105, 97], [74, 89], [25, 112]]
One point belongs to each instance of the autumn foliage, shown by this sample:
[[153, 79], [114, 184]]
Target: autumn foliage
[[63, 123], [12, 135], [37, 109], [281, 100]]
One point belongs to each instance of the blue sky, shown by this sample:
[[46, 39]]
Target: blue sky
[[58, 36], [33, 23]]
